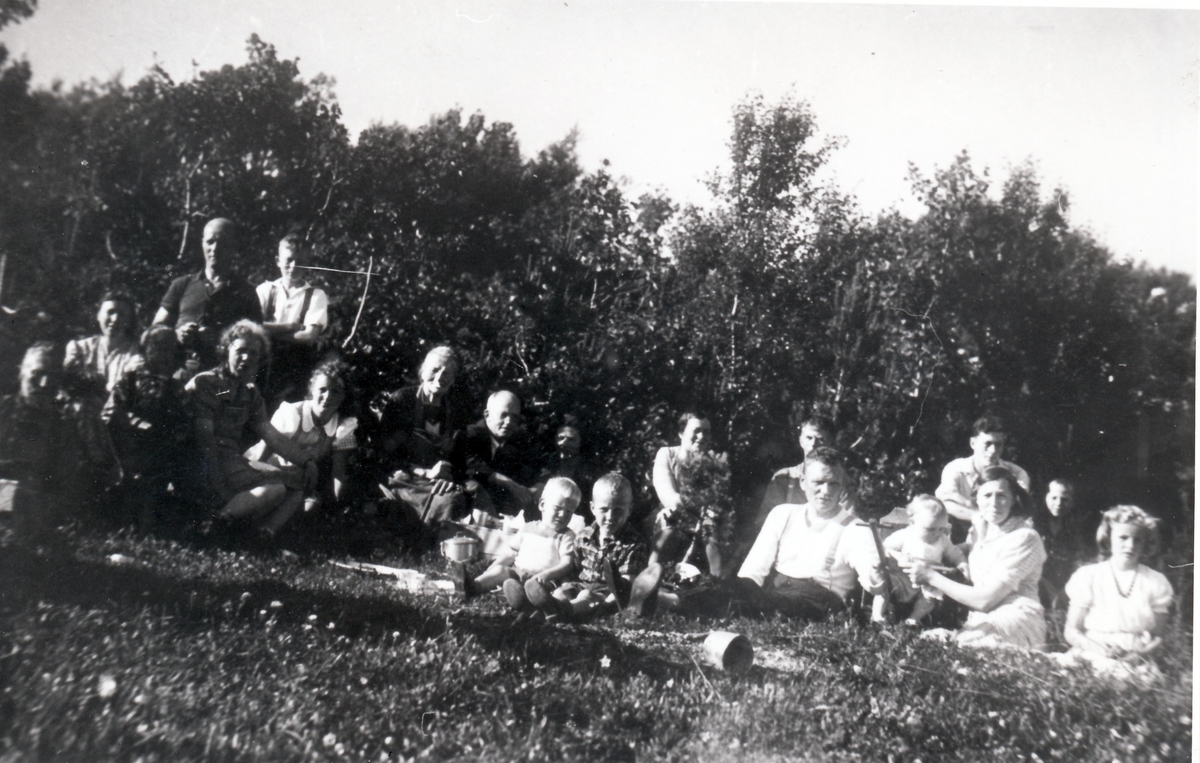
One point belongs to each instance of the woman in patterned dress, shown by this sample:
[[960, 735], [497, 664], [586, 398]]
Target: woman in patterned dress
[[1005, 565]]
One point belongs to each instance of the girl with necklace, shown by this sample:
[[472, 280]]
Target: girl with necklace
[[1119, 606]]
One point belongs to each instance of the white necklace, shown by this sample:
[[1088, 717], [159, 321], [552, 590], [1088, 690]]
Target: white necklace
[[1132, 581]]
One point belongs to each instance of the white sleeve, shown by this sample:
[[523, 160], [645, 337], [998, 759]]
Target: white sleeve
[[318, 309], [287, 418], [765, 551]]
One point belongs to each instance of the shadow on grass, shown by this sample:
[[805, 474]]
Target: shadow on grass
[[54, 575]]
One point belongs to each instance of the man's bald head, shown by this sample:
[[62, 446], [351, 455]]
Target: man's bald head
[[220, 245], [503, 413]]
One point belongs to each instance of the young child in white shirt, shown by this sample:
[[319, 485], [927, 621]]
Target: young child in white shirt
[[543, 551], [927, 538]]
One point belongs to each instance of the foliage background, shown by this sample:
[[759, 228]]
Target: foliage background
[[777, 300]]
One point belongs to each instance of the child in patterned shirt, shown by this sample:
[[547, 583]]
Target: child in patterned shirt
[[611, 553]]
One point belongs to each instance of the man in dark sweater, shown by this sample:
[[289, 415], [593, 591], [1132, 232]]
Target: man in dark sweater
[[497, 460], [199, 306]]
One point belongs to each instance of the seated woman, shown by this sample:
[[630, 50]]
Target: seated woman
[[1005, 565], [420, 446], [38, 457], [1119, 606], [227, 407], [316, 423], [681, 520], [91, 368]]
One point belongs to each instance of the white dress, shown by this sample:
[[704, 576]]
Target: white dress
[[1011, 553], [1113, 619]]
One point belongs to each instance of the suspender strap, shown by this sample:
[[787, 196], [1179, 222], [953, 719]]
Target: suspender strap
[[270, 311], [308, 291]]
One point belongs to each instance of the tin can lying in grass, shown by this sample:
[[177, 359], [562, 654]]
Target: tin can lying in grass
[[731, 652]]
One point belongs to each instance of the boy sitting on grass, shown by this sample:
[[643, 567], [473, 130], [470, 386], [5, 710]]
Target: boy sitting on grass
[[927, 537], [542, 553], [611, 554]]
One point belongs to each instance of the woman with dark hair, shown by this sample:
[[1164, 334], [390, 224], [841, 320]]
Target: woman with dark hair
[[91, 369], [1005, 564], [228, 409], [93, 366]]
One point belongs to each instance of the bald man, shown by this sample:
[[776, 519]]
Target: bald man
[[199, 306], [498, 461]]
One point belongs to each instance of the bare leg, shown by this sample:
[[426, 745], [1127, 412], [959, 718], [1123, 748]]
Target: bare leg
[[254, 502], [281, 515], [921, 609], [713, 552], [494, 576]]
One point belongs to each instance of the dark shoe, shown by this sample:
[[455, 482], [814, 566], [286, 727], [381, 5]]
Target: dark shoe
[[514, 594], [540, 597], [644, 596]]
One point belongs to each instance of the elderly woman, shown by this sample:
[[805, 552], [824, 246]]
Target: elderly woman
[[419, 442], [228, 409], [1005, 564]]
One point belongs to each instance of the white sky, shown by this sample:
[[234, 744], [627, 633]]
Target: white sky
[[1103, 100]]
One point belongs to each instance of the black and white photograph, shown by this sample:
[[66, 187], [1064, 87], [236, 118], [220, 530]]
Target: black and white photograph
[[597, 380]]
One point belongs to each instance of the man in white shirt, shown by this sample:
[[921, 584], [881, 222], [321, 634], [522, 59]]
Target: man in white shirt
[[961, 476], [296, 315], [807, 557]]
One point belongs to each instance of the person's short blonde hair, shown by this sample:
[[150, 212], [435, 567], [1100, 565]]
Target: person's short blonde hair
[[1125, 514], [563, 486], [927, 504], [616, 485]]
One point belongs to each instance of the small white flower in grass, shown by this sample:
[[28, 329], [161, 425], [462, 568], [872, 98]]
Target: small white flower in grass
[[963, 671], [312, 617], [307, 627], [992, 713], [245, 595], [276, 604], [329, 627], [142, 728], [605, 662], [339, 748], [262, 612], [108, 686], [362, 680], [857, 670], [389, 741], [139, 699], [329, 740], [670, 683]]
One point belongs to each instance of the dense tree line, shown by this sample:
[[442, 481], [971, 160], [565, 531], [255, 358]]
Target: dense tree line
[[777, 300]]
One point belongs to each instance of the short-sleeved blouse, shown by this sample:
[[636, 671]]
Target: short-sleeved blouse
[[1015, 558], [295, 421], [1094, 588]]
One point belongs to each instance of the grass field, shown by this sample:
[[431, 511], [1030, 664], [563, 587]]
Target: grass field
[[142, 649]]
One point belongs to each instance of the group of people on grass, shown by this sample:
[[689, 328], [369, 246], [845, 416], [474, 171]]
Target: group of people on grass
[[226, 404]]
